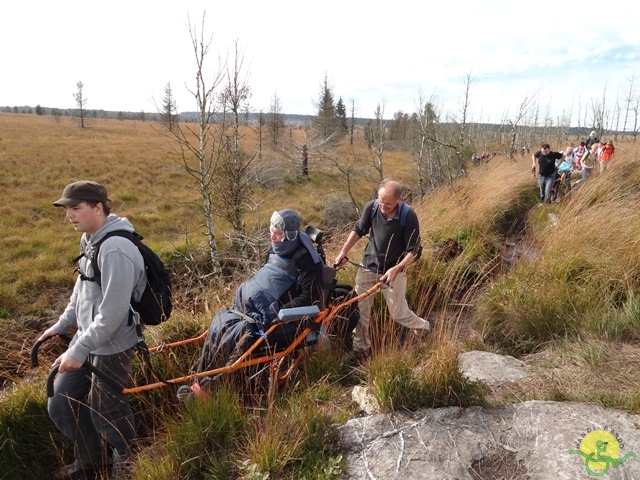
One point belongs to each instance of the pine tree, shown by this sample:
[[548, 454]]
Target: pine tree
[[81, 104], [169, 115], [326, 123], [341, 115]]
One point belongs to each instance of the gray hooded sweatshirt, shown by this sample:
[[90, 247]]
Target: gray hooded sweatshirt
[[101, 315]]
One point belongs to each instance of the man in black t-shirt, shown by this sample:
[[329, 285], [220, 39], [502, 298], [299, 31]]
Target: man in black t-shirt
[[546, 170], [393, 245]]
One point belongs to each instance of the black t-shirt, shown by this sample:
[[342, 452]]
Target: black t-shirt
[[389, 241], [547, 163]]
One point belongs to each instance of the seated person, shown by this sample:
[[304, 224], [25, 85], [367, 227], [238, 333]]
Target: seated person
[[564, 170], [291, 277]]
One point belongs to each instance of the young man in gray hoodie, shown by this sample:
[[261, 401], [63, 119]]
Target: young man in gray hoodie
[[84, 408]]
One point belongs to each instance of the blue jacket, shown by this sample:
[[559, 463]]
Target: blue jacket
[[263, 295]]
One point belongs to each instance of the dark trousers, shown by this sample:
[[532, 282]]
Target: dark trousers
[[86, 409]]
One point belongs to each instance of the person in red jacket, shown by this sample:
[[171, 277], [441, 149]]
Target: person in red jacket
[[606, 156]]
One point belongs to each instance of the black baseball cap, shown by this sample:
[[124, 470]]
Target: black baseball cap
[[82, 191]]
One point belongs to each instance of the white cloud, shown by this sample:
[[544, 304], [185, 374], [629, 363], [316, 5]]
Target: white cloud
[[372, 51]]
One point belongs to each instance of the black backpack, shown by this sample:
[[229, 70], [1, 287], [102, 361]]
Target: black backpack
[[155, 305]]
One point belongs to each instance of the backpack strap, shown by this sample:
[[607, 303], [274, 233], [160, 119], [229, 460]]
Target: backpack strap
[[403, 209], [135, 238]]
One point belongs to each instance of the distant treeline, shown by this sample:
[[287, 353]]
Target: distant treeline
[[292, 120], [249, 117]]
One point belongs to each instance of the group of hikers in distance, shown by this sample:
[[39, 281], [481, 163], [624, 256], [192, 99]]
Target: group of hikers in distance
[[556, 169], [112, 278]]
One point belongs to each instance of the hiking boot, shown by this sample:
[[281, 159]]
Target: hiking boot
[[184, 393], [75, 470], [360, 356], [417, 334], [119, 466], [422, 332]]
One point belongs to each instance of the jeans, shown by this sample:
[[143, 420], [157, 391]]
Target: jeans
[[587, 173], [84, 408], [546, 187]]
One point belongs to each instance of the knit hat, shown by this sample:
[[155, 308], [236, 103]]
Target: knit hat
[[288, 222]]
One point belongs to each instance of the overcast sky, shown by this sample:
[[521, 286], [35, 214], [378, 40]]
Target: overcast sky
[[373, 52]]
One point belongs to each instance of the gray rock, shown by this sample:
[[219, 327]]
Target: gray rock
[[531, 440], [491, 368], [365, 399]]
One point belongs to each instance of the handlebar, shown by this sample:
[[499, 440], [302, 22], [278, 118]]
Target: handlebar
[[36, 346], [112, 382], [359, 265]]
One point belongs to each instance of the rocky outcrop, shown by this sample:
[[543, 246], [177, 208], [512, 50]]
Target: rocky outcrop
[[532, 440], [535, 440]]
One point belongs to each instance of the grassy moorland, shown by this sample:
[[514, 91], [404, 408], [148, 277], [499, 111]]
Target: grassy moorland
[[565, 300]]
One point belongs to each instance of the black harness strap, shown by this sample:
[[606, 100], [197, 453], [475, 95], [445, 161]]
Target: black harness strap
[[293, 263]]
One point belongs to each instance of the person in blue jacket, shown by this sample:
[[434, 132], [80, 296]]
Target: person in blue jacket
[[290, 277]]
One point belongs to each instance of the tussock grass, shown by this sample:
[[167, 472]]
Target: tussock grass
[[29, 441], [398, 384], [199, 443], [592, 369], [224, 436]]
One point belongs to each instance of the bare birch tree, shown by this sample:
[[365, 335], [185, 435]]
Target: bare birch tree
[[234, 164], [528, 102], [599, 115], [199, 152], [376, 138], [636, 116], [426, 118], [630, 98], [461, 155], [275, 119]]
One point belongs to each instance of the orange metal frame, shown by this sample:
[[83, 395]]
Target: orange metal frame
[[323, 318]]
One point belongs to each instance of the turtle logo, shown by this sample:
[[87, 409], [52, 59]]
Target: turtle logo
[[600, 450]]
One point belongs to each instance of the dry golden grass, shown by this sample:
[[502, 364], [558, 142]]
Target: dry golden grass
[[137, 163], [593, 371]]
